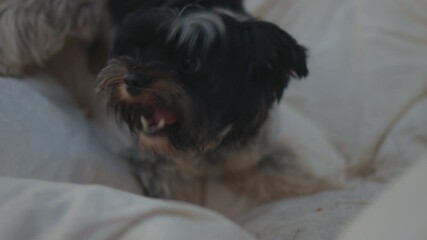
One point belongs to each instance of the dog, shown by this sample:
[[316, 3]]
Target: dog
[[198, 83]]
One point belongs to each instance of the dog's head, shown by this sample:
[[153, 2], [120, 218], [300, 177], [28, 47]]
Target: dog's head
[[198, 79]]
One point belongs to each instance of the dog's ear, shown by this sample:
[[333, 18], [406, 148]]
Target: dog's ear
[[277, 56]]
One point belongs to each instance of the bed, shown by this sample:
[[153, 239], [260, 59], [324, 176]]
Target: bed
[[63, 177]]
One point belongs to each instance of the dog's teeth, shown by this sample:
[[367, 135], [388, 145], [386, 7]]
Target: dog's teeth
[[145, 125], [161, 124], [152, 129]]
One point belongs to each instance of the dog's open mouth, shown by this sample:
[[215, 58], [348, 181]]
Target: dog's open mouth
[[158, 121]]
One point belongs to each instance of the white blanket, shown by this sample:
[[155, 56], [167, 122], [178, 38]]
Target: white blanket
[[39, 210]]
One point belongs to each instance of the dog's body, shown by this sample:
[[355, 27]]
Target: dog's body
[[198, 81]]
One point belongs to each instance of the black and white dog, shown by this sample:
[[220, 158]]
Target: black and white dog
[[198, 82]]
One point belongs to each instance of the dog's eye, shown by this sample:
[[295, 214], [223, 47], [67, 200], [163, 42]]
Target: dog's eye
[[191, 64]]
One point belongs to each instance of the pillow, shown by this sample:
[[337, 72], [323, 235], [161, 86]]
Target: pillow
[[44, 135], [367, 68]]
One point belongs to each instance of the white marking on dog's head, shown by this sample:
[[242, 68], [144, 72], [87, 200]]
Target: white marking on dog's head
[[237, 16], [188, 28]]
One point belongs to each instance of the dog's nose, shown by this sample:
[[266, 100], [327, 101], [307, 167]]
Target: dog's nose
[[135, 81]]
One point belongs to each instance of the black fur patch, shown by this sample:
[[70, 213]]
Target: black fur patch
[[231, 70]]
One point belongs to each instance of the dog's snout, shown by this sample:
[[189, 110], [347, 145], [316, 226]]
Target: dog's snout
[[133, 80]]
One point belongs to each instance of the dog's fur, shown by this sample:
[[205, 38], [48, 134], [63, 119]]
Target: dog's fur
[[61, 40], [197, 81], [33, 31]]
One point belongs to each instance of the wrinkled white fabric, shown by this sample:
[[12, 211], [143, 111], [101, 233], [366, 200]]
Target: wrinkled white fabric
[[39, 210], [44, 135], [367, 91], [399, 213], [315, 217], [367, 72]]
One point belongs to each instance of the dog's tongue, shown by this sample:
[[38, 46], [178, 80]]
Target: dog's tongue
[[168, 116]]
